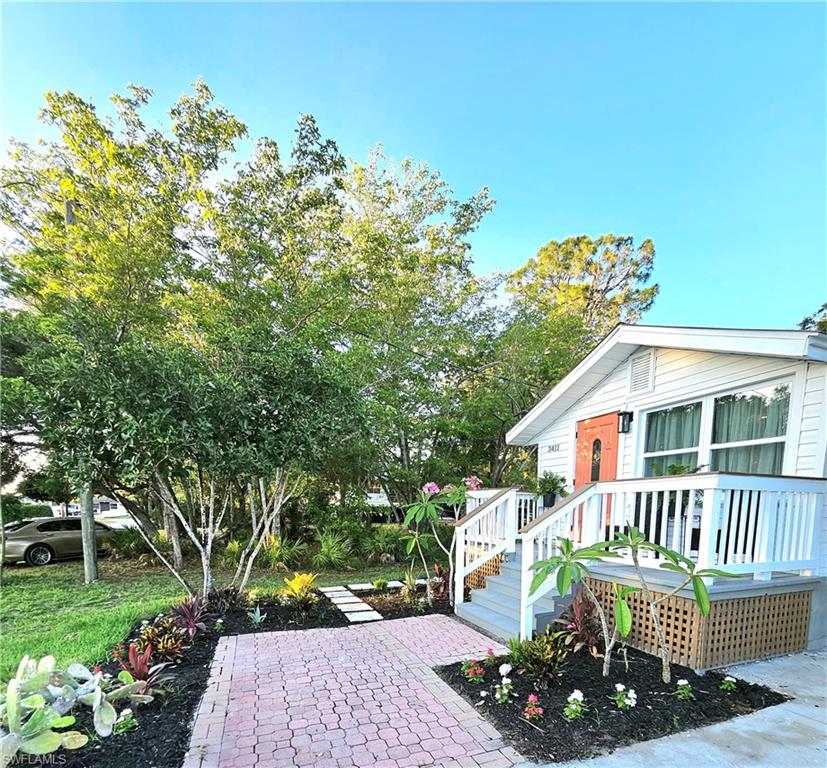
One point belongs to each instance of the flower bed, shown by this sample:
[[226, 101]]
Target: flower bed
[[392, 604], [582, 714], [161, 734]]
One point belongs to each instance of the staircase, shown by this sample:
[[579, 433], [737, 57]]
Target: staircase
[[496, 608]]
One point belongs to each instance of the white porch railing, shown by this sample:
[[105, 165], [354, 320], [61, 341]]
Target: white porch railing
[[489, 528], [741, 523]]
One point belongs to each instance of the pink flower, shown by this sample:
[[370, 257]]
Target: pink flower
[[448, 486], [472, 482], [430, 488], [539, 710], [532, 697]]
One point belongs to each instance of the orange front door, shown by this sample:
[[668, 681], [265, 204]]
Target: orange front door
[[596, 449]]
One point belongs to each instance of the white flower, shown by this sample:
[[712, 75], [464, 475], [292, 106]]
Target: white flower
[[620, 687], [631, 697], [483, 694], [683, 682], [506, 681], [729, 679], [504, 669], [576, 696]]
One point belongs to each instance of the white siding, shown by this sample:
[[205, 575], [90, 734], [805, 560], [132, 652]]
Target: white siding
[[682, 375]]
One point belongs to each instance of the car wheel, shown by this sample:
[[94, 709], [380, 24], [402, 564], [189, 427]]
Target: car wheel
[[39, 554]]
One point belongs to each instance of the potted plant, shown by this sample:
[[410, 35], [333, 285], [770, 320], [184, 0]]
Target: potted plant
[[551, 486]]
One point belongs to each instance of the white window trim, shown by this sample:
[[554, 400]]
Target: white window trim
[[705, 445]]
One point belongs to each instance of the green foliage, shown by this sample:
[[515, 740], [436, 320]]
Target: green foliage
[[552, 483], [14, 508], [380, 585], [280, 552], [46, 485], [335, 551], [299, 591], [409, 587], [541, 657], [387, 541]]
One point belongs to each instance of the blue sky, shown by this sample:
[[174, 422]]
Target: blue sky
[[701, 126]]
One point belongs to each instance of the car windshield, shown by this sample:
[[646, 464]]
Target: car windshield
[[14, 525]]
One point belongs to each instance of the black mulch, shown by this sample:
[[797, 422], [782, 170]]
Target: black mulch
[[162, 737], [163, 734], [283, 617], [604, 728], [391, 605]]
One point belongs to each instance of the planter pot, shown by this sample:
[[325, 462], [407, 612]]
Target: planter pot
[[549, 500]]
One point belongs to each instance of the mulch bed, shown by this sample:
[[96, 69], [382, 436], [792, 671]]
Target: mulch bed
[[390, 604], [282, 617], [163, 734], [604, 728]]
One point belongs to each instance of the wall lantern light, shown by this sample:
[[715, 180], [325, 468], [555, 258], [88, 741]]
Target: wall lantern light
[[624, 422]]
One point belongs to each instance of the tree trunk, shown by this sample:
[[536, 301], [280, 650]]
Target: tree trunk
[[90, 545], [2, 541], [174, 535]]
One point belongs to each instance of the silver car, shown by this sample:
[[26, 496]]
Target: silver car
[[40, 540]]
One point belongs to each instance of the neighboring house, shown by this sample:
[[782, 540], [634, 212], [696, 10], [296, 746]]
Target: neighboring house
[[106, 509], [714, 442]]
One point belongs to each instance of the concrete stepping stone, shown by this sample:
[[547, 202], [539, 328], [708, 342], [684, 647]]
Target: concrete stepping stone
[[364, 616], [354, 607], [360, 587], [394, 584], [344, 599], [330, 590]]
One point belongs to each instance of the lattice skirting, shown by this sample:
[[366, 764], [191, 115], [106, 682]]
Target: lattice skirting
[[736, 629], [476, 579]]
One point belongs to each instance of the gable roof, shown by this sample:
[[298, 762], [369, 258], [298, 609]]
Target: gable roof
[[624, 340]]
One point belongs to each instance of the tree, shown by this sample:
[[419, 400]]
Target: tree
[[817, 321], [602, 281], [47, 484]]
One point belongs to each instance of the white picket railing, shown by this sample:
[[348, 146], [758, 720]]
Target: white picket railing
[[741, 523]]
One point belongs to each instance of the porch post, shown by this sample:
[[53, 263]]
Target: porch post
[[526, 610], [511, 524], [459, 567], [709, 528]]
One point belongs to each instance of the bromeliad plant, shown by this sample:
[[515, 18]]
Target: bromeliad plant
[[166, 638], [139, 669]]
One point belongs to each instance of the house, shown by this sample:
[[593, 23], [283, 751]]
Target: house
[[713, 442]]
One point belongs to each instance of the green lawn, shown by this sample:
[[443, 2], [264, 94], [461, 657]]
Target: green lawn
[[48, 611]]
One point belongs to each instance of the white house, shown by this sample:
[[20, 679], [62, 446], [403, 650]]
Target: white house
[[711, 440]]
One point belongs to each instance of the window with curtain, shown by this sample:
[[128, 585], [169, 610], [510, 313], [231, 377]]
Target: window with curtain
[[749, 430], [672, 440]]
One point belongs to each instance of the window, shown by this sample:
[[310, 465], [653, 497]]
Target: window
[[749, 430], [51, 527], [597, 448], [672, 440]]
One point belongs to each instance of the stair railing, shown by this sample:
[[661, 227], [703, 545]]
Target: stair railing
[[575, 517], [487, 531]]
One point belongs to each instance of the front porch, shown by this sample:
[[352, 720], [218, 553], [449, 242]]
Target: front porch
[[766, 529]]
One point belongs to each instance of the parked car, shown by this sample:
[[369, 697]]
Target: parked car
[[40, 540]]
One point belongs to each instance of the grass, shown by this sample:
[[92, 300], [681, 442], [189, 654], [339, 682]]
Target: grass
[[49, 611]]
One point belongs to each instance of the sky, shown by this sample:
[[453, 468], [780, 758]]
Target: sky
[[701, 126]]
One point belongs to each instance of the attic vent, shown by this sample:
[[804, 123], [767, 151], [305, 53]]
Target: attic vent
[[641, 371]]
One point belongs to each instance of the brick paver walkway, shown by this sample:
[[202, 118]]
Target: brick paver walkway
[[345, 698]]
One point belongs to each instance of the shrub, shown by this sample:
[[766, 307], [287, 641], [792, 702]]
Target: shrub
[[334, 551], [387, 543], [408, 591], [232, 552], [282, 553], [542, 657], [580, 624], [126, 543], [190, 614], [226, 599], [299, 590], [164, 637], [380, 585]]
